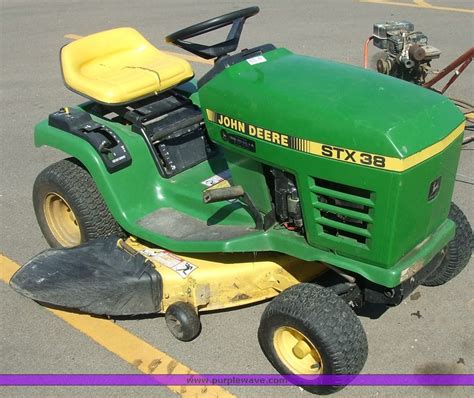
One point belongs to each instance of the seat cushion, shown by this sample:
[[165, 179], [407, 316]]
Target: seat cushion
[[119, 66]]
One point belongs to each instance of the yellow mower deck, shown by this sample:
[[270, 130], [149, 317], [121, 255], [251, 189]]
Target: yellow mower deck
[[125, 277], [218, 281]]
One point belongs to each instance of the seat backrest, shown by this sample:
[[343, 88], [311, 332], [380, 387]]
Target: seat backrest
[[79, 52], [119, 65]]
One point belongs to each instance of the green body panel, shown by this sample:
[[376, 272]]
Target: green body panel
[[305, 98], [129, 202], [349, 107], [138, 190], [250, 175], [332, 103]]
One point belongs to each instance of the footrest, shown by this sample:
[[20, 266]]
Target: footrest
[[179, 226]]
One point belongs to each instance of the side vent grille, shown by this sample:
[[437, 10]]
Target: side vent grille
[[343, 211]]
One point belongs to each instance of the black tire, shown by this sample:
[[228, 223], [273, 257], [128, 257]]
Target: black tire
[[326, 321], [69, 180], [183, 321], [458, 253]]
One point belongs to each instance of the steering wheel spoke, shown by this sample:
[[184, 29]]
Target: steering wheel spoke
[[236, 19]]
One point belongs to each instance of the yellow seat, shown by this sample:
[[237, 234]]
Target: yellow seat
[[118, 66]]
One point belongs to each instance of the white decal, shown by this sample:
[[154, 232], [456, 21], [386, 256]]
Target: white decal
[[170, 260], [217, 178], [257, 60]]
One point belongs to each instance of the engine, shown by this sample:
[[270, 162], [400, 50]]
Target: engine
[[407, 52], [287, 200]]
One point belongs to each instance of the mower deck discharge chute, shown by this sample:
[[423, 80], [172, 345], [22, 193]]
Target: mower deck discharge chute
[[108, 281], [272, 175]]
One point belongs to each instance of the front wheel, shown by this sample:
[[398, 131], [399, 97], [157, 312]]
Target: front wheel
[[458, 251], [309, 330], [68, 206]]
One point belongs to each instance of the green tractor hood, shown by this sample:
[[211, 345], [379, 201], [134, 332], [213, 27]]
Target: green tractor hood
[[331, 103], [370, 153]]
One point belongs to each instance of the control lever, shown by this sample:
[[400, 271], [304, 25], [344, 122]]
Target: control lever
[[221, 194], [100, 142], [235, 192]]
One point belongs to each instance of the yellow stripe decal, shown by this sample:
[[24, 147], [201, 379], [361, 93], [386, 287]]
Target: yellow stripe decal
[[333, 152], [432, 150], [384, 162], [211, 115], [124, 344]]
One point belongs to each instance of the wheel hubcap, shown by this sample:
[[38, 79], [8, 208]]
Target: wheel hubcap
[[297, 352], [174, 324], [61, 220]]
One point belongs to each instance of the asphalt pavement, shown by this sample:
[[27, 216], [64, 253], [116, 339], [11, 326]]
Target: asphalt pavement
[[431, 332]]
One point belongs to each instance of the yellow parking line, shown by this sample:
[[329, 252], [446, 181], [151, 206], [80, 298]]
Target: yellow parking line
[[73, 36], [187, 57], [125, 345], [422, 3], [190, 58], [419, 4]]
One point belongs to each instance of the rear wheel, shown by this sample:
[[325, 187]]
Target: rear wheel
[[458, 251], [61, 220], [68, 206], [309, 330]]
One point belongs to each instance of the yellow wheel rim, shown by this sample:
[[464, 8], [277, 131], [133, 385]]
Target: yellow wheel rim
[[297, 352], [61, 220]]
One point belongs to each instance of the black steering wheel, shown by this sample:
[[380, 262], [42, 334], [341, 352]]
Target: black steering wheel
[[236, 18]]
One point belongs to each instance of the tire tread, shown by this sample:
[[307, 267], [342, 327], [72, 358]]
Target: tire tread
[[324, 314], [74, 182], [459, 250]]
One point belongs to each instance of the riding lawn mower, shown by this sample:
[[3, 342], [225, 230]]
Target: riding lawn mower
[[272, 176]]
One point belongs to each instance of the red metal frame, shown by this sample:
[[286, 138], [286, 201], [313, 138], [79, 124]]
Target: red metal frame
[[463, 61], [459, 65]]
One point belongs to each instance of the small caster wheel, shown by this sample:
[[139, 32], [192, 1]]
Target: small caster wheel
[[183, 321]]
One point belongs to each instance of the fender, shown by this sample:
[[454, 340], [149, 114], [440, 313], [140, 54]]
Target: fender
[[124, 203]]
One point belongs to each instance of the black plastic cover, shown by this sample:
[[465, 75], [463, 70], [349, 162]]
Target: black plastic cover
[[108, 145], [173, 129], [97, 277], [378, 294]]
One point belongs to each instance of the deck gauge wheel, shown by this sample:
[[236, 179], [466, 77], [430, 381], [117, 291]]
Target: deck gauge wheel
[[183, 321]]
